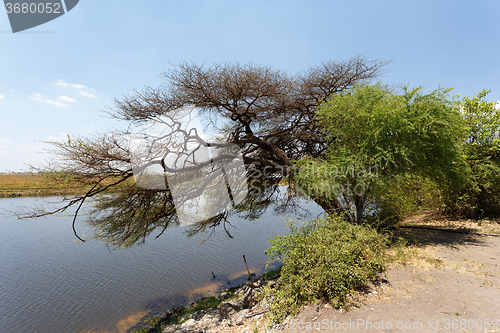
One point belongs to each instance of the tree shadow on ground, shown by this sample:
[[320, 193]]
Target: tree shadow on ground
[[424, 237], [435, 229]]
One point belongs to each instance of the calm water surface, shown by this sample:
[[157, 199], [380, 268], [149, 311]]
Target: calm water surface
[[49, 283]]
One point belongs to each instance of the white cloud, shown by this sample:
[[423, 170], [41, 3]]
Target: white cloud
[[86, 94], [67, 99], [60, 102], [4, 144], [497, 106], [49, 101], [83, 90], [1, 96], [61, 83]]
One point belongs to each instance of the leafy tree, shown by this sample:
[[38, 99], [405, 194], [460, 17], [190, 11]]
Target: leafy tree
[[377, 136], [269, 114], [479, 195]]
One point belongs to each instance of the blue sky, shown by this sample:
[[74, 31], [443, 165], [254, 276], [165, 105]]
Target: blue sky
[[56, 77]]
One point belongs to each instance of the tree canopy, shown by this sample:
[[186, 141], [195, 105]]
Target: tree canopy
[[376, 134], [478, 194]]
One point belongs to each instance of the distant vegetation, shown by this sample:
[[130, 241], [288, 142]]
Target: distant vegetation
[[33, 184], [28, 184]]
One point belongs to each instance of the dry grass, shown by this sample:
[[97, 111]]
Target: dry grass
[[418, 251], [435, 220], [36, 185]]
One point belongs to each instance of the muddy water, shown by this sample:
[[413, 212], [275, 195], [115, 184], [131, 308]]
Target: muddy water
[[50, 283]]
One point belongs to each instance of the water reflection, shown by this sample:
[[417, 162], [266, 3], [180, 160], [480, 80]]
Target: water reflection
[[50, 283]]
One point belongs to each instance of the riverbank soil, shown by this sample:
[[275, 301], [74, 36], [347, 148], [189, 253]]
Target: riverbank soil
[[449, 283]]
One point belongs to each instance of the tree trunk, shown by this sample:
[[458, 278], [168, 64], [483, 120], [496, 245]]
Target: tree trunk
[[331, 206], [360, 207]]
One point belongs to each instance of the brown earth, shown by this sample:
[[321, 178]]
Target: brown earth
[[450, 283]]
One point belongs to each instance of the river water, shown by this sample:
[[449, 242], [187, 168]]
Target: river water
[[50, 283]]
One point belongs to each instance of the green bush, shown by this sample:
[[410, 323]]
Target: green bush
[[403, 195], [326, 259], [478, 194], [140, 330], [272, 273], [153, 321]]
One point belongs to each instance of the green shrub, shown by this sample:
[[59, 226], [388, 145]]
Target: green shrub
[[207, 303], [153, 321], [478, 193], [140, 330], [403, 195], [272, 273], [326, 259]]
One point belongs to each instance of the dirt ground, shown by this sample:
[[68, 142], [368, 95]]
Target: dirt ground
[[451, 283]]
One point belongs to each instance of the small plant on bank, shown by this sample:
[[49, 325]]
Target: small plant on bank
[[140, 330], [273, 273], [207, 303], [326, 259], [180, 315], [183, 313], [153, 321]]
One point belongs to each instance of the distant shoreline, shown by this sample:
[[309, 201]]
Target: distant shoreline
[[34, 185]]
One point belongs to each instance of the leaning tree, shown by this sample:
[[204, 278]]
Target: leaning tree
[[268, 114]]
